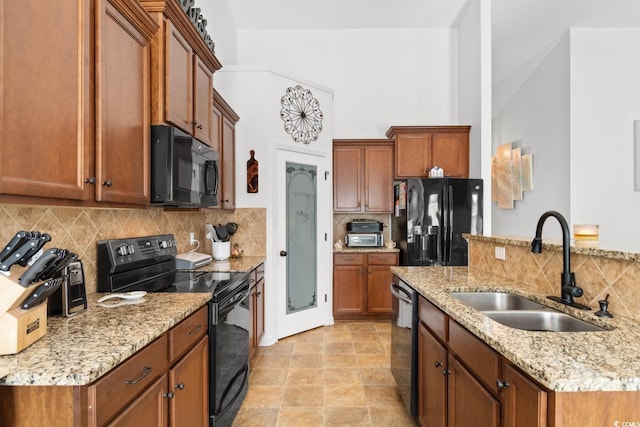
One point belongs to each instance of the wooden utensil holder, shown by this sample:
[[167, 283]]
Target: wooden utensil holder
[[19, 328]]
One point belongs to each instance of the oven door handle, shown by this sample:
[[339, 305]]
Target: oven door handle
[[245, 371], [240, 297], [393, 287]]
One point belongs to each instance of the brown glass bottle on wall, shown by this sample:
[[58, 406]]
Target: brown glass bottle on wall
[[252, 173]]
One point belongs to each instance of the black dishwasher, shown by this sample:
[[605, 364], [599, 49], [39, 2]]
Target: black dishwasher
[[404, 343]]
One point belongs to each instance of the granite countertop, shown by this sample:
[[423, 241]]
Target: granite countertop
[[561, 361], [242, 264], [346, 250], [78, 350]]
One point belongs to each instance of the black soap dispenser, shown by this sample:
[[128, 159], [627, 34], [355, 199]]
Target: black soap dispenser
[[604, 308]]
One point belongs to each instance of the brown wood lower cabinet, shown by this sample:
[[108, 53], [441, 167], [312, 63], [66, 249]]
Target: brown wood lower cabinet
[[164, 384], [463, 382], [256, 307], [361, 285]]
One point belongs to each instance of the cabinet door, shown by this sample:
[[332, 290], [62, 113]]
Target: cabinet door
[[179, 80], [378, 179], [203, 102], [413, 155], [432, 380], [450, 151], [378, 293], [470, 404], [524, 403], [189, 381], [149, 409], [122, 110], [228, 187], [46, 130], [347, 170], [259, 325], [348, 289]]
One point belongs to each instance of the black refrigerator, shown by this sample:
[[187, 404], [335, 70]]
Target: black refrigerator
[[430, 217]]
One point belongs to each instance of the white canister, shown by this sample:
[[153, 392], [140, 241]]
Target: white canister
[[221, 250]]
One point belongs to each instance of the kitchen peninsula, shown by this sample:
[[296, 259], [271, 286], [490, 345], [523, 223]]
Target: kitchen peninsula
[[588, 378], [63, 377]]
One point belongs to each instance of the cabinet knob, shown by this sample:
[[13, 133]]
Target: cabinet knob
[[283, 253], [437, 364], [199, 126], [107, 183], [502, 384], [169, 395], [91, 180], [180, 386], [446, 372]]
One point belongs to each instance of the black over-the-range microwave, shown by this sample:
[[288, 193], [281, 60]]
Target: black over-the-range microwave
[[184, 170]]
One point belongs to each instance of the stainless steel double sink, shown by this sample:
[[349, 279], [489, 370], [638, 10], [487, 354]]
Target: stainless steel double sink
[[519, 312]]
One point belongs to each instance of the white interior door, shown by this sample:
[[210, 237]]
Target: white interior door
[[301, 279]]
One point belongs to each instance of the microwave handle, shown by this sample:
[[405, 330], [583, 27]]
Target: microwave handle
[[211, 179]]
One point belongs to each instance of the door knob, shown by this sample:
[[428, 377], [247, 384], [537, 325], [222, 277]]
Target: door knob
[[283, 253]]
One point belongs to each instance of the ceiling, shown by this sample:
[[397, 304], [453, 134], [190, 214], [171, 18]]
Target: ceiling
[[521, 29]]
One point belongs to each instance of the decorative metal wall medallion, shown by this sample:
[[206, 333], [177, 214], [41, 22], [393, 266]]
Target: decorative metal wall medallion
[[301, 114]]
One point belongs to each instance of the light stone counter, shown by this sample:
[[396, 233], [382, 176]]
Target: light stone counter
[[78, 350], [346, 250], [561, 361]]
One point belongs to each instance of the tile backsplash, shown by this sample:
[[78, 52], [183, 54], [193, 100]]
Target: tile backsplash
[[79, 229], [596, 275]]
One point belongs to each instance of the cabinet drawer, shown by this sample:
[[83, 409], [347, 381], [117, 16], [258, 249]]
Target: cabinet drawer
[[186, 333], [349, 259], [383, 258], [120, 386], [434, 318], [479, 357]]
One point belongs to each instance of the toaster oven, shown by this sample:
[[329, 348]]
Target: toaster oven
[[363, 240]]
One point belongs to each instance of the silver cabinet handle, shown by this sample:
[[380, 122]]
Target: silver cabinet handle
[[146, 371]]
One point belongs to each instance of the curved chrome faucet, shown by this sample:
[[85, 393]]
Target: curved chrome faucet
[[568, 287]]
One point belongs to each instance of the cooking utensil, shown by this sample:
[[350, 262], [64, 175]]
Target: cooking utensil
[[42, 292], [212, 233], [232, 227], [222, 233], [124, 295], [39, 243], [15, 242], [32, 272]]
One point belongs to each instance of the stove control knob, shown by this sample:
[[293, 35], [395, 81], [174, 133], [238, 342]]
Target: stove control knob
[[122, 250], [163, 244], [130, 249]]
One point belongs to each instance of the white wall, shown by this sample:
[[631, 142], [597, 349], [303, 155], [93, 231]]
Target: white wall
[[605, 100], [537, 117], [380, 78], [474, 92], [222, 28]]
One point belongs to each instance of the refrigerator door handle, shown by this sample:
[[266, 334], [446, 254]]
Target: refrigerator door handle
[[449, 223]]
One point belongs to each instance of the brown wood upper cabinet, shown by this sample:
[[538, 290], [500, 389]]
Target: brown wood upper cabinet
[[224, 123], [48, 151], [363, 175], [182, 70], [420, 148]]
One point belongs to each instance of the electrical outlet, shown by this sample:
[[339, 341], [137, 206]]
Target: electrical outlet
[[192, 238], [500, 253]]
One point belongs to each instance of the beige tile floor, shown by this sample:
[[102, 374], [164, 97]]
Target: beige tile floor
[[335, 375]]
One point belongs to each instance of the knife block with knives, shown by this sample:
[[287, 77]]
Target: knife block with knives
[[19, 328]]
